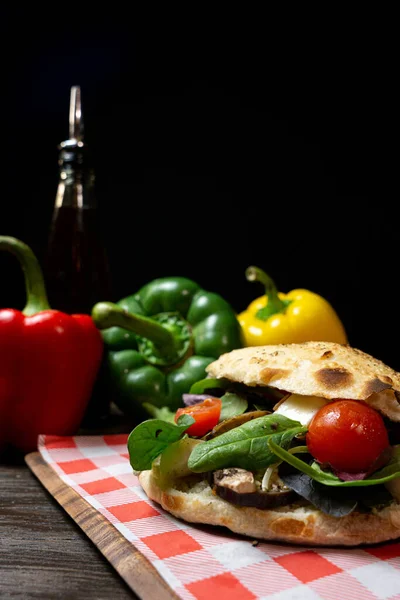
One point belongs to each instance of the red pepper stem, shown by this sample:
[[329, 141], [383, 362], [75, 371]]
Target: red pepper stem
[[107, 314], [36, 296], [274, 304]]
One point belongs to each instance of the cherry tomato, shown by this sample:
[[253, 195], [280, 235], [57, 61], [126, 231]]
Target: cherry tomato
[[206, 415], [347, 434]]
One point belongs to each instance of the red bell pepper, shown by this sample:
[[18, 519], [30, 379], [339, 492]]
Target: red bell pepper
[[48, 362]]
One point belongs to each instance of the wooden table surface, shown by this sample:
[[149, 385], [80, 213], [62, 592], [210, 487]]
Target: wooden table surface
[[43, 554]]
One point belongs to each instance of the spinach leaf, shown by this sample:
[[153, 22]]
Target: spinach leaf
[[204, 386], [232, 405], [390, 471], [245, 446], [163, 413], [150, 438], [334, 502]]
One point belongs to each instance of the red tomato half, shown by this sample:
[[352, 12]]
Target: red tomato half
[[347, 434], [206, 414]]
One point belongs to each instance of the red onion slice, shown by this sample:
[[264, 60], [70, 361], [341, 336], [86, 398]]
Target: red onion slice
[[191, 399]]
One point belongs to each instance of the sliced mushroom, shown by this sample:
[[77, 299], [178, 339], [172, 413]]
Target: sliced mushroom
[[235, 485], [237, 480], [234, 422]]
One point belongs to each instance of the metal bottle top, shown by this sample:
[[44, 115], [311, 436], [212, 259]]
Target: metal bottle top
[[74, 148], [77, 177]]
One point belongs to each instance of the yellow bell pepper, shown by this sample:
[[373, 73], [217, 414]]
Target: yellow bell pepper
[[298, 316]]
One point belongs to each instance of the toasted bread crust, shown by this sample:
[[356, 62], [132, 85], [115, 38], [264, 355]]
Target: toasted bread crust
[[321, 369], [303, 525]]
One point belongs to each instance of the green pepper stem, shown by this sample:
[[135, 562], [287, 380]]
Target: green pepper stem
[[274, 304], [36, 296], [107, 314]]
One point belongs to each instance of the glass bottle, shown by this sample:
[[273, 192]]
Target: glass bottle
[[77, 269]]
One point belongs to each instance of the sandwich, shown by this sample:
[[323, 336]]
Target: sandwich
[[295, 443]]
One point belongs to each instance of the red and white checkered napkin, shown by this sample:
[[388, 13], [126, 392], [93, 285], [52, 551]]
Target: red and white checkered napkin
[[201, 563]]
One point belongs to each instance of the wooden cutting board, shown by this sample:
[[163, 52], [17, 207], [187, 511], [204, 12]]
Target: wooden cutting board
[[133, 567]]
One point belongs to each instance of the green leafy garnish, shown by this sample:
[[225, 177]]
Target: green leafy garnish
[[245, 446], [164, 413], [232, 405], [390, 471], [150, 438]]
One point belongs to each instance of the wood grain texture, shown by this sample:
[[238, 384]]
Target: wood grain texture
[[132, 566], [43, 553]]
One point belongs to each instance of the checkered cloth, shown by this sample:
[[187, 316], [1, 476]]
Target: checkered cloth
[[201, 562]]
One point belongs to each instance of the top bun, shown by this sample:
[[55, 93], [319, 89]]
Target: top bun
[[324, 369]]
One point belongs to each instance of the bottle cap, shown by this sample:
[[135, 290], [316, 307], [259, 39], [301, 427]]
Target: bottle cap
[[75, 140]]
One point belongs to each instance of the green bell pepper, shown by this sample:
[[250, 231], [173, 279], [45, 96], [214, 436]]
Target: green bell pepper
[[161, 339]]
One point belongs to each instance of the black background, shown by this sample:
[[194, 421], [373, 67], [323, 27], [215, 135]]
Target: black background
[[216, 145]]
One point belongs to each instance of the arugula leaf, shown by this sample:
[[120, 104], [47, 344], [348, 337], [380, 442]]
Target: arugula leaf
[[232, 405], [390, 471], [150, 438], [163, 413], [245, 446]]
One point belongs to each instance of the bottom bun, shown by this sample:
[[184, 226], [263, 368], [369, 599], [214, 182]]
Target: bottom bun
[[193, 500]]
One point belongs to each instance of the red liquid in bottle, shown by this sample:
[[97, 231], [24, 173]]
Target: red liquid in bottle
[[77, 270]]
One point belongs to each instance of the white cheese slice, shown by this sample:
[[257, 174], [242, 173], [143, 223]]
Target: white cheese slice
[[300, 408]]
